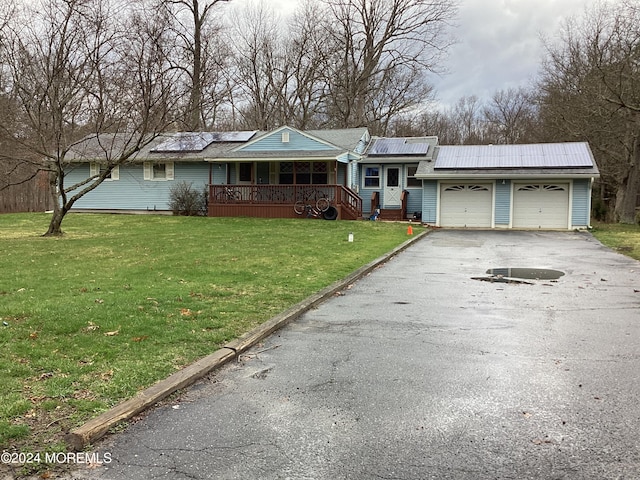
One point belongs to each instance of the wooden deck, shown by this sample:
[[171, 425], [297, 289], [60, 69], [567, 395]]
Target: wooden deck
[[277, 201]]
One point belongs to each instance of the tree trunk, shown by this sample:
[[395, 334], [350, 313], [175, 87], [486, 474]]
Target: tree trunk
[[55, 225], [627, 194]]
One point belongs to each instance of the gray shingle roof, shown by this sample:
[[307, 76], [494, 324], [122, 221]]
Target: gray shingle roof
[[106, 146]]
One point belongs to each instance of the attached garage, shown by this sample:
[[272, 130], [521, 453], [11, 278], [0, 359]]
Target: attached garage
[[533, 186], [541, 205], [466, 205]]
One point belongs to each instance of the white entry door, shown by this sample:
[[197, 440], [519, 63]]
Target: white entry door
[[392, 190]]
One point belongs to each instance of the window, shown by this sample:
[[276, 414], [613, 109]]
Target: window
[[304, 173], [158, 171], [412, 181], [244, 172], [372, 177], [319, 175], [286, 173], [100, 168], [462, 188]]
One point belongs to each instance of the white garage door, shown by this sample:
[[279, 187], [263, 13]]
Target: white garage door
[[465, 205], [541, 205]]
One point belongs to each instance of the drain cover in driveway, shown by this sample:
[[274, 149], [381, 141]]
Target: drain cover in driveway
[[528, 273]]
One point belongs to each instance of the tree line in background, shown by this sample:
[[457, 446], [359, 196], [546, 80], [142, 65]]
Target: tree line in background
[[72, 68]]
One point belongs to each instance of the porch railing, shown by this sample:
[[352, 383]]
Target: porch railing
[[338, 195]]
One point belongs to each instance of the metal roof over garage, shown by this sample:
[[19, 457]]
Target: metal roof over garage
[[541, 155]]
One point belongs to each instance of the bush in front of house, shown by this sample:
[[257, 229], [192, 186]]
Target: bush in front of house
[[186, 200]]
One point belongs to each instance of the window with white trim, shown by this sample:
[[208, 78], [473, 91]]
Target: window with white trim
[[371, 177], [412, 181], [96, 169], [158, 171]]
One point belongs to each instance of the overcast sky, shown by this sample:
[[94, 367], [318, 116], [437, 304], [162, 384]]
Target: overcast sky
[[498, 43]]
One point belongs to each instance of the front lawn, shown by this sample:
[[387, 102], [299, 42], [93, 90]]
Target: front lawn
[[121, 301], [623, 238]]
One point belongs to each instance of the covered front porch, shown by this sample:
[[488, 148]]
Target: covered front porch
[[277, 201]]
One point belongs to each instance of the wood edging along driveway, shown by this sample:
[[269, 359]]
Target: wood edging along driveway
[[95, 428]]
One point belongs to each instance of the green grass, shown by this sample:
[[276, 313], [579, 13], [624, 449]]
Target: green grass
[[620, 237], [120, 302]]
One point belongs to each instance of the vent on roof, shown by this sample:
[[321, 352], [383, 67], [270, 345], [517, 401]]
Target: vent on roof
[[285, 137]]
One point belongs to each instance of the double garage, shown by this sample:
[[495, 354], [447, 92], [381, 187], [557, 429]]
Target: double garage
[[527, 186], [533, 205]]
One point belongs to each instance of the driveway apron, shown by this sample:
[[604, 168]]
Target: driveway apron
[[420, 371]]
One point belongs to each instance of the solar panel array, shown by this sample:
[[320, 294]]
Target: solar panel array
[[546, 155], [398, 146], [198, 141]]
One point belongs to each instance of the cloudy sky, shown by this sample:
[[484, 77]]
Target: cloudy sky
[[498, 43]]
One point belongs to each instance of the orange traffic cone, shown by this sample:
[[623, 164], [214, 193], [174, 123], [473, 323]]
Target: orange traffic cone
[[409, 230]]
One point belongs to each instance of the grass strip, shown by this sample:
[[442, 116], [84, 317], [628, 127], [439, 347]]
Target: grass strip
[[623, 238]]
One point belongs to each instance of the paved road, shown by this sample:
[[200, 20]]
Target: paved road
[[420, 372]]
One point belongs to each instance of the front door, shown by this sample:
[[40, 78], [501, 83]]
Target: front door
[[392, 190]]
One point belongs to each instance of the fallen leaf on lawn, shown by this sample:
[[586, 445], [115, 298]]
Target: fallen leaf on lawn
[[33, 335], [91, 327], [185, 312], [112, 334], [140, 339]]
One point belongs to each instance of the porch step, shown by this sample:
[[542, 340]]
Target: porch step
[[391, 214]]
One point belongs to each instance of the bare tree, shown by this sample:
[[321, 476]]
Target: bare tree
[[76, 72], [380, 51], [590, 90], [510, 116], [305, 98], [200, 56], [262, 71], [468, 120]]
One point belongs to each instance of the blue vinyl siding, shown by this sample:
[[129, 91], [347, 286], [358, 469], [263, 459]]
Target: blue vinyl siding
[[219, 173], [580, 214], [429, 201], [503, 202], [297, 141], [414, 201], [132, 192], [342, 174]]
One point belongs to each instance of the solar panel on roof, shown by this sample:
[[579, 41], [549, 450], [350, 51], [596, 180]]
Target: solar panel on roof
[[398, 146], [569, 155], [198, 141]]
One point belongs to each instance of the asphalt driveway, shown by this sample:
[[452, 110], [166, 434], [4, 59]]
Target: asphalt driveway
[[419, 371]]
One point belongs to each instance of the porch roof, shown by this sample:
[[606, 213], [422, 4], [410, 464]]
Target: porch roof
[[265, 156]]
